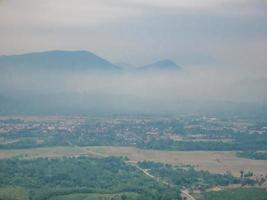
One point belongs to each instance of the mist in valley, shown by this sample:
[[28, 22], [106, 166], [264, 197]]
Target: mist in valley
[[186, 90]]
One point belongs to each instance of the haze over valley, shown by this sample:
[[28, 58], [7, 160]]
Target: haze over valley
[[80, 81]]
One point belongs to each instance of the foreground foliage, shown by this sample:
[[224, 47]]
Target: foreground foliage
[[42, 179]]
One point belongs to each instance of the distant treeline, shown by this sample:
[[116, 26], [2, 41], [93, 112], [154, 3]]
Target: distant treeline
[[241, 142], [256, 155]]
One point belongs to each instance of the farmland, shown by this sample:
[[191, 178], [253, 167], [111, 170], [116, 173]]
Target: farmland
[[214, 162]]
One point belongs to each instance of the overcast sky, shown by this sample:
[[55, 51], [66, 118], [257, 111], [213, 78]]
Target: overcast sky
[[224, 33], [221, 46]]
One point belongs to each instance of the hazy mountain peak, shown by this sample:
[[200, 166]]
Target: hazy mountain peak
[[165, 64]]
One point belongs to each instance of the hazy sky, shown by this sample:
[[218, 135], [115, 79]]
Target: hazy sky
[[191, 32], [221, 46]]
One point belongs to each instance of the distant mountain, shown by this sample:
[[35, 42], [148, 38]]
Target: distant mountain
[[80, 61], [161, 65], [57, 60]]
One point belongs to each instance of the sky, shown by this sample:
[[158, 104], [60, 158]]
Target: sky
[[221, 46], [191, 32]]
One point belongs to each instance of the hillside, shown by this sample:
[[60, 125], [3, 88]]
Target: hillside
[[57, 60]]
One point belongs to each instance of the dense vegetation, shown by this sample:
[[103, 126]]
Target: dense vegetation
[[187, 176], [66, 178], [236, 194], [42, 179]]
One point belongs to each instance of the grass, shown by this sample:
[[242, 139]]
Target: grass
[[93, 196], [236, 194], [14, 193], [43, 152], [20, 193]]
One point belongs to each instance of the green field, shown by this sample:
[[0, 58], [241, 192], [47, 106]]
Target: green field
[[20, 193], [96, 196], [236, 194], [14, 193]]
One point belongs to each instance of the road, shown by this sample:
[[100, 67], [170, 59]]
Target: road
[[184, 193]]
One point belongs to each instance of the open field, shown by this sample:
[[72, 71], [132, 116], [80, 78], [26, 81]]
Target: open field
[[213, 161]]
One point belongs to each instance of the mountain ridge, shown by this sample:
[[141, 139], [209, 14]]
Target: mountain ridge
[[76, 60], [58, 59]]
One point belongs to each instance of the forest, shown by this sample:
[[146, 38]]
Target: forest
[[45, 178]]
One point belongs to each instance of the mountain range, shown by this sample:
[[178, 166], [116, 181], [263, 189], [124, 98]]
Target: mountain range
[[74, 61]]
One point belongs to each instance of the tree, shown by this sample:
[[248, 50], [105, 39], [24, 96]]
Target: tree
[[241, 173], [124, 197]]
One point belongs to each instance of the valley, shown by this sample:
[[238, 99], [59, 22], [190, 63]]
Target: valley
[[166, 150]]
